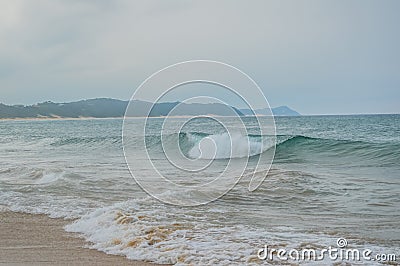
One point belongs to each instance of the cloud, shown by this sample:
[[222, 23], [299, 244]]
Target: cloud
[[318, 57]]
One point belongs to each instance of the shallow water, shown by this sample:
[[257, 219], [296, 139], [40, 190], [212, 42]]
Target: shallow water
[[332, 176]]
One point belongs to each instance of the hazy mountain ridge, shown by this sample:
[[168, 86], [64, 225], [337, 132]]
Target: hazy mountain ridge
[[277, 111], [106, 107]]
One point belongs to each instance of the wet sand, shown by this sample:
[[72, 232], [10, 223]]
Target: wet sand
[[27, 239]]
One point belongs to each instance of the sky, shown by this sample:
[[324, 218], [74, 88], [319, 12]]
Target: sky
[[317, 57]]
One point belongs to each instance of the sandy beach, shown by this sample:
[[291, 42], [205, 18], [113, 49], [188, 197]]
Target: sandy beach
[[27, 239]]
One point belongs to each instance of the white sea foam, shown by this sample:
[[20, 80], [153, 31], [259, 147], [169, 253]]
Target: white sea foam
[[225, 146], [32, 176], [39, 204], [155, 235], [49, 177], [131, 229]]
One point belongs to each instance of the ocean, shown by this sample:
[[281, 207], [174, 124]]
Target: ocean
[[332, 177]]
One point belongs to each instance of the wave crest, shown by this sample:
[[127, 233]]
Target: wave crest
[[226, 146]]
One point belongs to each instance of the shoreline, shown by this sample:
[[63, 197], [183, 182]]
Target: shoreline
[[180, 116], [38, 239], [56, 118]]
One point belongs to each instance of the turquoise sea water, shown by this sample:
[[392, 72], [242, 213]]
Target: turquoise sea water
[[332, 176]]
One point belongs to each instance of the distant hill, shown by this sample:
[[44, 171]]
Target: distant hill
[[163, 109], [105, 107], [86, 108], [277, 111]]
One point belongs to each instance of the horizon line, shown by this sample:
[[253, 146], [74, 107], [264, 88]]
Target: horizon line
[[240, 108]]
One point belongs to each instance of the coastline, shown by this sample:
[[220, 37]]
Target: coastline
[[37, 239], [56, 118]]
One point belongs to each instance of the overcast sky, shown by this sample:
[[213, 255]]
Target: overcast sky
[[318, 57]]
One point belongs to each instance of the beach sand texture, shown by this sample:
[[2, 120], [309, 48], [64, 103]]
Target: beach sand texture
[[27, 239]]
